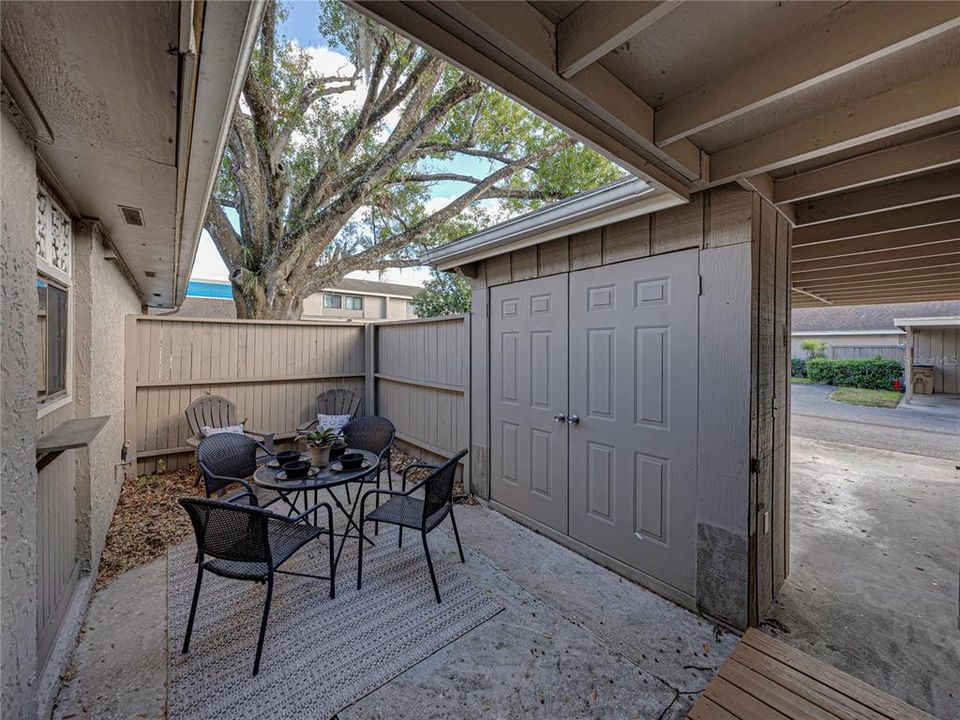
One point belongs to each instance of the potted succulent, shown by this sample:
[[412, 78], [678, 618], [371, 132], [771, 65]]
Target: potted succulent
[[319, 442]]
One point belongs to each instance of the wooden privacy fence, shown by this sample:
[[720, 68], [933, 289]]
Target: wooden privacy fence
[[866, 352], [414, 372]]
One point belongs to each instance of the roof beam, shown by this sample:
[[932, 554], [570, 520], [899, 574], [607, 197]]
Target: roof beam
[[946, 261], [874, 243], [928, 100], [887, 164], [877, 256], [594, 29], [941, 185], [914, 216], [889, 296], [892, 278], [938, 286], [849, 41], [506, 41]]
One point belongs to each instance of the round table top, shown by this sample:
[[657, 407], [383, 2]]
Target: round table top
[[266, 477]]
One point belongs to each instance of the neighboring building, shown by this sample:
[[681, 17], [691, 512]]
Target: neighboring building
[[351, 299], [864, 331], [933, 343], [114, 117]]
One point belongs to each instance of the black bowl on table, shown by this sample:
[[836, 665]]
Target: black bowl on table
[[287, 456], [351, 460], [296, 469], [337, 449]]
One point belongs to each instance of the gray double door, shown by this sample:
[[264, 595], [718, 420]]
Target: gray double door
[[593, 391]]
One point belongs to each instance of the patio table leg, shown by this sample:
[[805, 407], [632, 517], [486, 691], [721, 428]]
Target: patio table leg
[[350, 522]]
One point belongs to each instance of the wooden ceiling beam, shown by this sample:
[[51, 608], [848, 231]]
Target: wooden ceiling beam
[[908, 276], [594, 29], [928, 100], [914, 237], [879, 270], [849, 41], [941, 286], [894, 296], [880, 256], [941, 185], [914, 216], [887, 164]]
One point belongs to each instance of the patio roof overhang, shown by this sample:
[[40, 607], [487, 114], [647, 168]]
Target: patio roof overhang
[[131, 104], [930, 323], [846, 116]]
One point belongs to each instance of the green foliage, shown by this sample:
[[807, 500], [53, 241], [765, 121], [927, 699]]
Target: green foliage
[[875, 374], [814, 348], [798, 367], [443, 294], [320, 436]]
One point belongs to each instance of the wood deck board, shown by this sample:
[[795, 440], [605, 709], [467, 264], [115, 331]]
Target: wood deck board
[[764, 678]]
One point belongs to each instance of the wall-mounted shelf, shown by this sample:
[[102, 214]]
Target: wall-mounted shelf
[[68, 435]]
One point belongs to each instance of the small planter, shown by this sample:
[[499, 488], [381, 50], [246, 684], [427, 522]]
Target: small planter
[[320, 455]]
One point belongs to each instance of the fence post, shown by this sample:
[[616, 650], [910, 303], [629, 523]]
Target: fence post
[[468, 396], [130, 344], [370, 369]]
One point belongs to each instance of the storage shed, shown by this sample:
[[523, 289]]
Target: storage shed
[[932, 343], [629, 386]]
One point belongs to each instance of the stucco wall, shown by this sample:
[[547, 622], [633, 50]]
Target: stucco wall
[[18, 478]]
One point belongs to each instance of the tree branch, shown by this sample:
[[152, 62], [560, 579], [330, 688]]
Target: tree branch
[[224, 236]]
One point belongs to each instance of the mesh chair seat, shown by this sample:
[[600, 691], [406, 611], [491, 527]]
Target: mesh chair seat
[[408, 512], [285, 539]]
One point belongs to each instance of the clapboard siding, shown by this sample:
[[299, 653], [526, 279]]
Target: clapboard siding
[[939, 348]]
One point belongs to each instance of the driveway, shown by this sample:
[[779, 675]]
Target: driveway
[[908, 428]]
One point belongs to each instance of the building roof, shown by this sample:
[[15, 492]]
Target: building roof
[[860, 318], [374, 287], [619, 200]]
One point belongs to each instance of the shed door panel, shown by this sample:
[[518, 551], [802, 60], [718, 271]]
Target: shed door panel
[[528, 387], [633, 383]]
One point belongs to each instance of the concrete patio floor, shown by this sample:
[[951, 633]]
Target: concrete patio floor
[[574, 641], [873, 585]]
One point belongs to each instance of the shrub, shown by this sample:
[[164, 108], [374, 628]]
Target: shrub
[[875, 374], [798, 367]]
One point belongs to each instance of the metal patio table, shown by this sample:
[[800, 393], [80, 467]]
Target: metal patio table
[[327, 479]]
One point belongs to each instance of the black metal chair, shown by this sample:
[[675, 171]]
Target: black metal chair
[[374, 434], [245, 542], [424, 515], [229, 458]]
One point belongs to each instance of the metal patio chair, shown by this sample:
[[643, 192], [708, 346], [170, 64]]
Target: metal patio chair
[[245, 542], [339, 401], [216, 411], [228, 458], [424, 515], [375, 434]]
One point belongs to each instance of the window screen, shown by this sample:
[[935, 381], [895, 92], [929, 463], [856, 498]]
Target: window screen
[[354, 302], [332, 301], [51, 339]]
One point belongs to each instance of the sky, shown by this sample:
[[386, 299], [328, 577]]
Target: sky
[[301, 26]]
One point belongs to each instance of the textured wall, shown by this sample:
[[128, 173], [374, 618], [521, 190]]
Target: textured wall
[[18, 479]]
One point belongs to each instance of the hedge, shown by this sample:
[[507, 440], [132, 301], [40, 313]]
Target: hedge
[[798, 367], [875, 374]]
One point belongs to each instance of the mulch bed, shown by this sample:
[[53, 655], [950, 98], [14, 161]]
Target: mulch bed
[[148, 519]]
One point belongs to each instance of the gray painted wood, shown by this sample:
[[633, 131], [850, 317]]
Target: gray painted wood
[[633, 383], [528, 387]]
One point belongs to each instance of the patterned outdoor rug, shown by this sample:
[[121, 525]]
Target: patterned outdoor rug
[[320, 655]]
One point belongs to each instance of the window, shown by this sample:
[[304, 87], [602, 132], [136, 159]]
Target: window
[[51, 340], [354, 302], [331, 300]]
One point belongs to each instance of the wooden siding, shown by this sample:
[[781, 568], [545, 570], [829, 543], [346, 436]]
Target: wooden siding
[[939, 348], [866, 352], [422, 376], [271, 370]]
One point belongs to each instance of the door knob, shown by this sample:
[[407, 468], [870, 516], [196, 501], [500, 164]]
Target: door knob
[[560, 417], [574, 419]]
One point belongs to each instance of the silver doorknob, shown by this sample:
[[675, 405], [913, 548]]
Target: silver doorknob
[[560, 417], [574, 419]]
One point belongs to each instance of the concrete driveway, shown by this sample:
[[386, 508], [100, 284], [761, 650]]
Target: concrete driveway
[[914, 429], [875, 545]]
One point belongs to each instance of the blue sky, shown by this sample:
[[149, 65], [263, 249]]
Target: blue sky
[[300, 25]]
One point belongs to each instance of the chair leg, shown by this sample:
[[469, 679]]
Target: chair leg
[[333, 563], [376, 500], [389, 474], [193, 606], [360, 553], [426, 550], [263, 624], [456, 534], [347, 488], [400, 536]]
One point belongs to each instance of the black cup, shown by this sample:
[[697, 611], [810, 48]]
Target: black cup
[[337, 449], [296, 469], [351, 461]]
